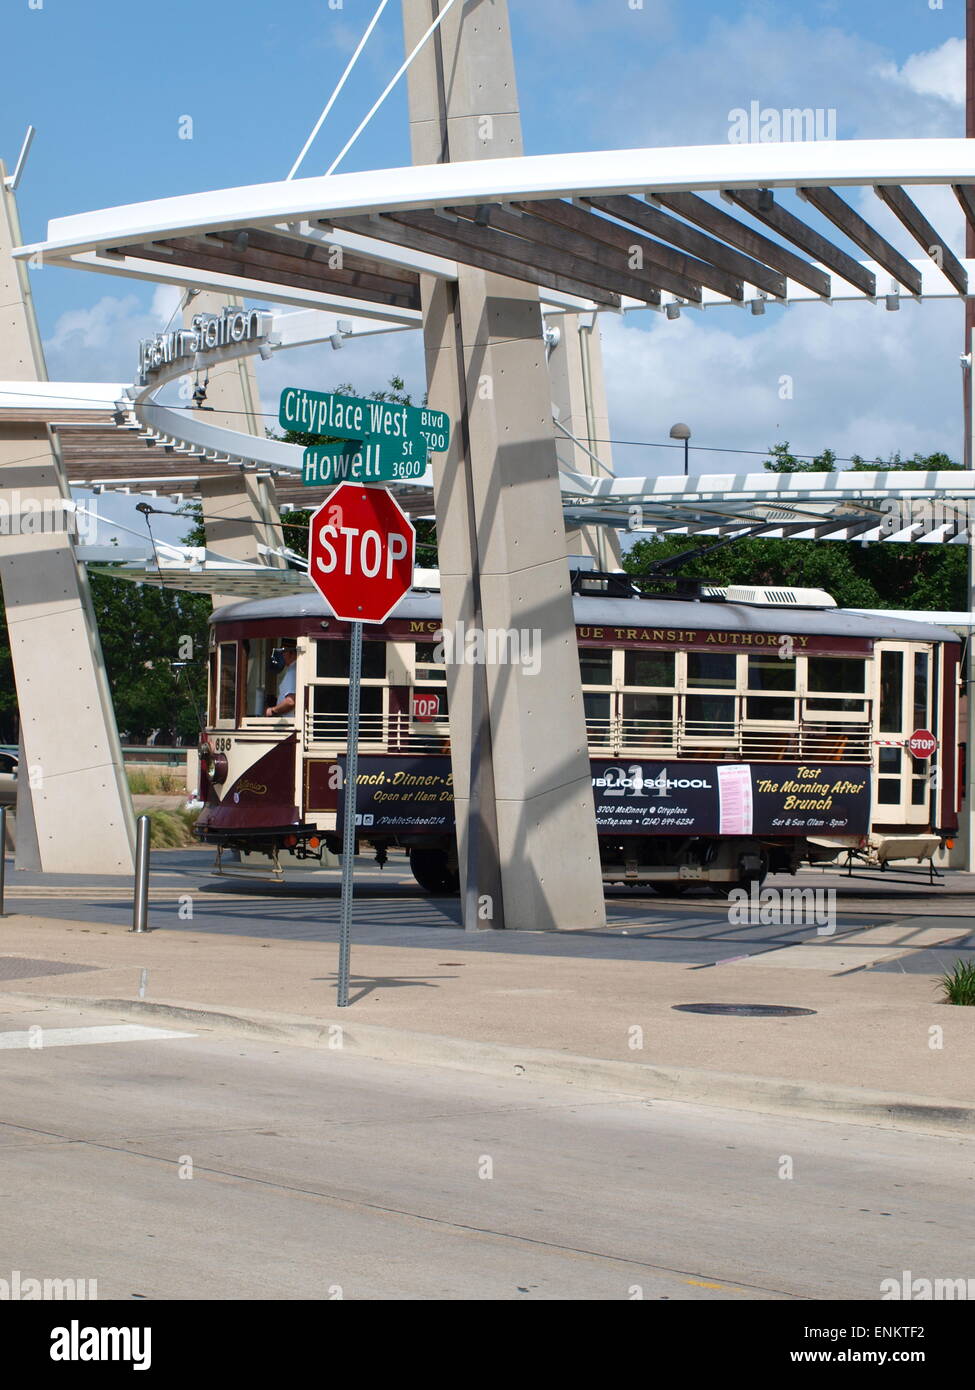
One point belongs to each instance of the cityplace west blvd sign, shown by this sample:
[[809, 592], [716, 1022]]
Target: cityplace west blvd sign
[[388, 442], [207, 332]]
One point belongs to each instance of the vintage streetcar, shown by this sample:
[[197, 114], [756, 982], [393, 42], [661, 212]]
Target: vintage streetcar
[[731, 734]]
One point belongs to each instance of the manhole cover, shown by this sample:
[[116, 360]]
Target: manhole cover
[[743, 1010], [23, 968]]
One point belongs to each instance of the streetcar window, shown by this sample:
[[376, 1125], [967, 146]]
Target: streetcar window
[[889, 791], [261, 679], [227, 702], [712, 710], [770, 707], [648, 718], [648, 669], [839, 673], [429, 663], [891, 692], [829, 673], [920, 690], [772, 673], [332, 660], [889, 760], [334, 699], [595, 666], [712, 669], [596, 706], [839, 704]]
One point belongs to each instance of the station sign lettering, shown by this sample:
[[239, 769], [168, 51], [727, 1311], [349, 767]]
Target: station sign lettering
[[206, 333]]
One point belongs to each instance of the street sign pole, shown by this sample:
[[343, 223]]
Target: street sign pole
[[361, 553], [348, 830]]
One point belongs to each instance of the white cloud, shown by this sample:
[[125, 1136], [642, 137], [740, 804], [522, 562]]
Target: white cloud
[[937, 73], [670, 95], [101, 343], [863, 381]]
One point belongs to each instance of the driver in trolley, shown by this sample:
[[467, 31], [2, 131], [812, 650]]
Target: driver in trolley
[[286, 686]]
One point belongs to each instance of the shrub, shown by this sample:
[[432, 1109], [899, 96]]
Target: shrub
[[958, 984]]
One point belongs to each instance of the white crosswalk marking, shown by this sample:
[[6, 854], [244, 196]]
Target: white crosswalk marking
[[37, 1039]]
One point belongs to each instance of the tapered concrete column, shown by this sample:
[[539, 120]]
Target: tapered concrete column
[[529, 855], [239, 506], [71, 765], [575, 364]]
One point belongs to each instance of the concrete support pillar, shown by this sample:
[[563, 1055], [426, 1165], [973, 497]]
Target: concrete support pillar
[[239, 506], [71, 772], [526, 824], [575, 364]]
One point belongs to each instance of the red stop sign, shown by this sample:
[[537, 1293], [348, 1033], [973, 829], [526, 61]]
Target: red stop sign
[[425, 708], [361, 546], [922, 743]]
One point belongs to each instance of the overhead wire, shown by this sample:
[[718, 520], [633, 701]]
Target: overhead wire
[[389, 87], [334, 97]]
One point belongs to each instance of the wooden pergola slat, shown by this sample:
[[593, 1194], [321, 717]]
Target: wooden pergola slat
[[384, 228], [851, 224], [287, 255], [965, 193], [753, 243], [561, 237], [910, 216], [463, 235], [671, 229], [208, 256], [806, 238], [307, 250], [671, 267]]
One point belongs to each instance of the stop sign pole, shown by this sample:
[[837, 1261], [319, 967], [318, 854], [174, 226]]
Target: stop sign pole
[[348, 829], [361, 548]]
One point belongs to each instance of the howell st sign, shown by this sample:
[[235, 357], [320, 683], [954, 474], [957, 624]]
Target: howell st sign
[[389, 442]]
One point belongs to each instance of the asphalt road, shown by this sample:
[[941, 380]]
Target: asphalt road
[[391, 910], [316, 1175]]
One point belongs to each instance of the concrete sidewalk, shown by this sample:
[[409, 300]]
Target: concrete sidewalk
[[878, 1046]]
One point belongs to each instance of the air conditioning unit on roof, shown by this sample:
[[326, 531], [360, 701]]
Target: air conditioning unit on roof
[[773, 597]]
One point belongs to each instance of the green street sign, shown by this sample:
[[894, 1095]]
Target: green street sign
[[364, 463], [400, 429]]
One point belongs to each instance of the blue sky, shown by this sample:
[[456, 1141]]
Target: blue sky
[[106, 84]]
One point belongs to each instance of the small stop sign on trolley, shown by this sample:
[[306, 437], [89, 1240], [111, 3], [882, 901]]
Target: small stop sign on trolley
[[361, 548], [922, 743]]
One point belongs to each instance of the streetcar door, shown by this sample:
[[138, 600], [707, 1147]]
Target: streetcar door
[[904, 701]]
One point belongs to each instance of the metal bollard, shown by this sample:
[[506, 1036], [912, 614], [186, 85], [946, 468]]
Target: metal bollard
[[140, 907], [3, 854]]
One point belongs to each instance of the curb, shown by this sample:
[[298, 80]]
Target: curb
[[769, 1095]]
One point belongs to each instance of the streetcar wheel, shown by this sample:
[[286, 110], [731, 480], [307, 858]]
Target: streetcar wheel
[[432, 871], [724, 890], [674, 886]]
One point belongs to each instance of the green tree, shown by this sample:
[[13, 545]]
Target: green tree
[[154, 641], [912, 577]]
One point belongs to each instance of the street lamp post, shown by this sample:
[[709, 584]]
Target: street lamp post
[[682, 432]]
